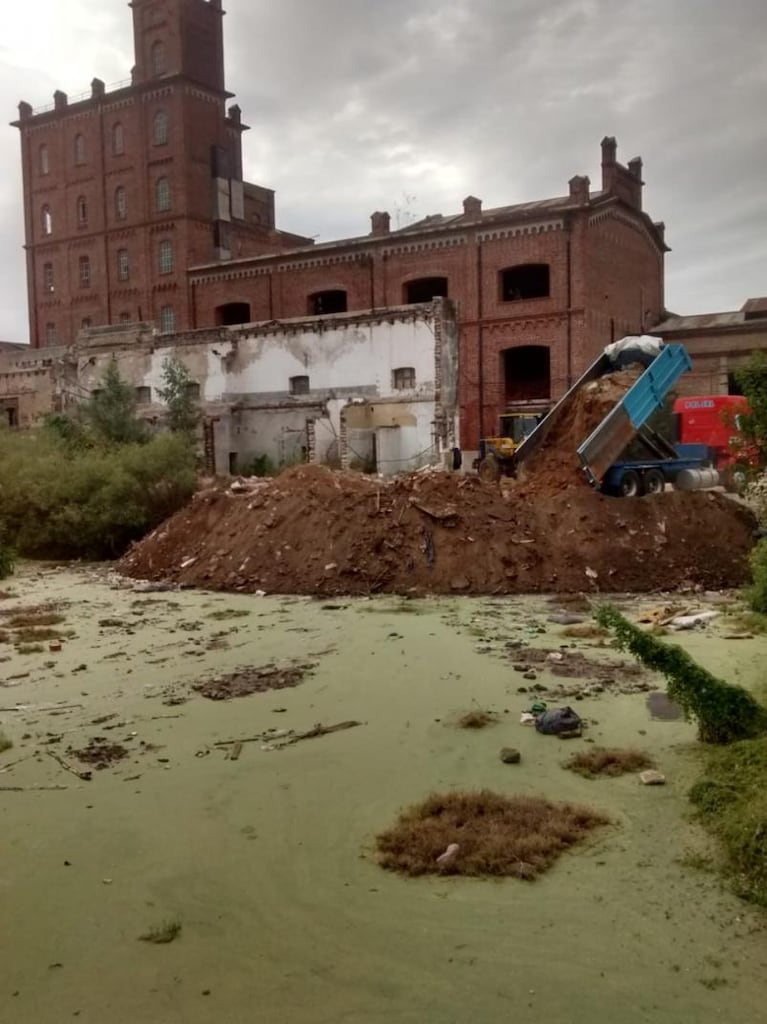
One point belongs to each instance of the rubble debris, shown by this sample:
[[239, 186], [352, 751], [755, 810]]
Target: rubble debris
[[652, 778], [510, 756], [246, 681], [100, 753], [334, 539]]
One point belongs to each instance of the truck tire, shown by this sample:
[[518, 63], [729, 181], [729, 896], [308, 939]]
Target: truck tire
[[630, 485], [490, 470], [654, 482]]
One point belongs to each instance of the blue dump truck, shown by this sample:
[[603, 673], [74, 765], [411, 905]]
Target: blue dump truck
[[602, 454]]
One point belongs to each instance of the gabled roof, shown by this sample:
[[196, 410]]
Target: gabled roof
[[753, 312]]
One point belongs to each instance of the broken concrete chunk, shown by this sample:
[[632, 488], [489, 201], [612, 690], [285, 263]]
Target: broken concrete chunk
[[652, 778]]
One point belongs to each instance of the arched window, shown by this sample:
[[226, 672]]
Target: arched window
[[160, 128], [232, 313], [82, 212], [118, 139], [167, 320], [123, 265], [121, 203], [323, 303], [85, 271], [159, 63], [166, 257], [48, 278], [424, 289], [526, 373], [162, 195], [44, 161], [47, 220], [79, 149], [526, 281]]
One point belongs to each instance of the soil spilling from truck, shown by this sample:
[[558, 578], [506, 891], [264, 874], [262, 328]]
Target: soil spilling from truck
[[314, 531], [554, 467]]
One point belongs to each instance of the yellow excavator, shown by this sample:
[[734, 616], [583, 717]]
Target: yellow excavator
[[496, 454]]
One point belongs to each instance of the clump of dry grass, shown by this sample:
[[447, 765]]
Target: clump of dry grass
[[163, 933], [478, 719], [29, 648], [601, 761], [519, 837], [34, 635], [36, 618]]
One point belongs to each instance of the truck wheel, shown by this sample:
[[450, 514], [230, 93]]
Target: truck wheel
[[630, 485], [490, 469], [654, 482]]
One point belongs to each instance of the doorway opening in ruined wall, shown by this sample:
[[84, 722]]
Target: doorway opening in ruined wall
[[233, 313], [424, 289], [325, 303], [9, 413], [526, 374]]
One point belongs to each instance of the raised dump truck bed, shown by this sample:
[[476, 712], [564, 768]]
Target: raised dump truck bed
[[597, 453]]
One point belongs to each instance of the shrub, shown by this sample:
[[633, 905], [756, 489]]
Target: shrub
[[7, 555], [756, 595], [59, 501], [724, 712], [601, 761]]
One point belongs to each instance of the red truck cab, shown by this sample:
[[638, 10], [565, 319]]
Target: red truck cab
[[714, 420]]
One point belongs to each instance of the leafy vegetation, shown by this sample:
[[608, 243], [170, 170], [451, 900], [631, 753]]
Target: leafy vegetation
[[61, 501], [752, 380], [731, 801], [179, 394], [724, 713], [756, 594], [7, 554], [110, 412]]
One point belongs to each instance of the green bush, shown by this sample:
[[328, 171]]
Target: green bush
[[724, 712], [259, 465], [65, 502], [757, 593], [731, 800]]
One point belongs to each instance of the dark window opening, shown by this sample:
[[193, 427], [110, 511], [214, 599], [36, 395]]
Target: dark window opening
[[424, 289], [733, 388], [143, 396], [11, 414], [193, 390], [299, 385], [528, 281], [233, 313], [403, 378], [324, 303], [527, 374]]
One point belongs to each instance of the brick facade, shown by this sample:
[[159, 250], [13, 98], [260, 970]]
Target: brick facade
[[150, 220], [125, 189]]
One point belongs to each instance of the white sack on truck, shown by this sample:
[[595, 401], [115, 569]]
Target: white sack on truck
[[636, 348]]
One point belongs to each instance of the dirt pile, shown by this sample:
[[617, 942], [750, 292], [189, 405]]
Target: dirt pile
[[554, 467], [313, 531]]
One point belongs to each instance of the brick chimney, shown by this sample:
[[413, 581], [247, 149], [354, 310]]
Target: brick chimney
[[580, 189], [472, 207], [380, 223], [97, 89], [60, 100], [609, 162], [25, 110]]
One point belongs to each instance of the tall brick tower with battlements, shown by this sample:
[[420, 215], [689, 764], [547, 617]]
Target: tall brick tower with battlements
[[128, 186]]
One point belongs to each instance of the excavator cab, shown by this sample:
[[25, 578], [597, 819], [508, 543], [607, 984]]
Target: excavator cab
[[496, 454]]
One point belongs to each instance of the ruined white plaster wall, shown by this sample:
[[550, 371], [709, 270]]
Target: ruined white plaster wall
[[245, 375]]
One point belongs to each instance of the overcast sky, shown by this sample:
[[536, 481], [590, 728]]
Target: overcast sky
[[410, 105]]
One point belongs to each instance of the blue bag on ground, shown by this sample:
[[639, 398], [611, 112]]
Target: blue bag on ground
[[559, 721]]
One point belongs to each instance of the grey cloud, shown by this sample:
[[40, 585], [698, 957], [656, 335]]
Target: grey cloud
[[356, 104]]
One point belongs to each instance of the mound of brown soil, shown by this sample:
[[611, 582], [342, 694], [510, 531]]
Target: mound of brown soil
[[313, 531]]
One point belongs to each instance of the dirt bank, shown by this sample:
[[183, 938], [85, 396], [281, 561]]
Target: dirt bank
[[313, 531]]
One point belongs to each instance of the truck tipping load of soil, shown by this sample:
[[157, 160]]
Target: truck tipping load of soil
[[314, 531]]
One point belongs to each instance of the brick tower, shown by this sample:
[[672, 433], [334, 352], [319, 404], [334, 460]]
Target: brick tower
[[127, 187]]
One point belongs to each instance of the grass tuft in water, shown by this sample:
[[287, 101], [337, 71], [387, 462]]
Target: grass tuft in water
[[163, 933]]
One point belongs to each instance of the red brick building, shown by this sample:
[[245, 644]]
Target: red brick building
[[125, 188], [136, 210]]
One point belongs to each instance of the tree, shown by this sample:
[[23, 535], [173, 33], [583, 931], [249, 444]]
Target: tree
[[752, 380], [178, 393], [110, 412]]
